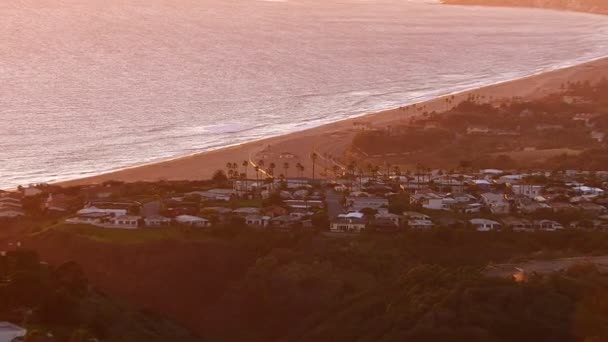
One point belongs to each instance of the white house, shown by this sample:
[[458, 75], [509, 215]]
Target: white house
[[347, 225], [157, 221], [434, 204], [95, 210], [257, 220], [531, 191], [124, 222], [31, 191], [90, 218], [193, 221], [412, 215], [483, 225], [10, 332], [420, 224], [358, 203], [548, 225], [246, 211], [215, 194]]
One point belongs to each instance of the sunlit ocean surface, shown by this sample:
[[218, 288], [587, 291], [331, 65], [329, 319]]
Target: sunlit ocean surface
[[92, 86]]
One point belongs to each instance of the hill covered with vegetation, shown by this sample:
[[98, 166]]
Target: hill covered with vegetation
[[235, 284], [57, 303], [562, 131]]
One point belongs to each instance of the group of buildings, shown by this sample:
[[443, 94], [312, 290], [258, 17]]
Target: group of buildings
[[484, 200]]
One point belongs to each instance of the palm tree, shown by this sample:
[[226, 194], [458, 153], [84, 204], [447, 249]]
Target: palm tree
[[314, 157], [299, 167], [257, 177], [246, 166], [285, 168], [271, 168], [335, 170]]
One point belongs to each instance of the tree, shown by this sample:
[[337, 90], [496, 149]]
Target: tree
[[285, 168], [219, 177], [314, 157]]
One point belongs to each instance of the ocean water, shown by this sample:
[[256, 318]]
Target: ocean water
[[88, 86]]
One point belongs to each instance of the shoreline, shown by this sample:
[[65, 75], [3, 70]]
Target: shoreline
[[334, 138], [533, 5]]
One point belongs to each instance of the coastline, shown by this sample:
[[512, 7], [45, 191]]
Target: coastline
[[542, 5], [334, 138]]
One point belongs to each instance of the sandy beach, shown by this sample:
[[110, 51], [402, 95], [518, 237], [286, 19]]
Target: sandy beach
[[333, 139]]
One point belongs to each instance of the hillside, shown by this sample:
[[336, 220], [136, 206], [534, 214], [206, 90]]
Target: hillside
[[591, 6], [238, 285], [489, 134]]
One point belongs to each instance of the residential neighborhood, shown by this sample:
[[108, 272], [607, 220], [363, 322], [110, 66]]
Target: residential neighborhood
[[483, 200]]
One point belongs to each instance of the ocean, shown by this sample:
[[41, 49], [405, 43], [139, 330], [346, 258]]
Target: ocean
[[90, 86]]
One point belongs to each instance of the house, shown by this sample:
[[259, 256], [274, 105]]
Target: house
[[94, 218], [193, 221], [412, 215], [304, 204], [547, 225], [484, 225], [10, 332], [300, 214], [482, 184], [31, 191], [93, 210], [215, 194], [57, 203], [246, 211], [157, 221], [496, 203], [434, 204], [124, 222], [420, 224], [518, 225], [257, 220], [347, 225], [358, 203], [588, 190], [530, 191]]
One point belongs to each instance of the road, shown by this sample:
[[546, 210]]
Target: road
[[545, 266]]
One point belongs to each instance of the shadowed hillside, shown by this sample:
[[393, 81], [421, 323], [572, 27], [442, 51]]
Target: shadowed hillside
[[244, 286]]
